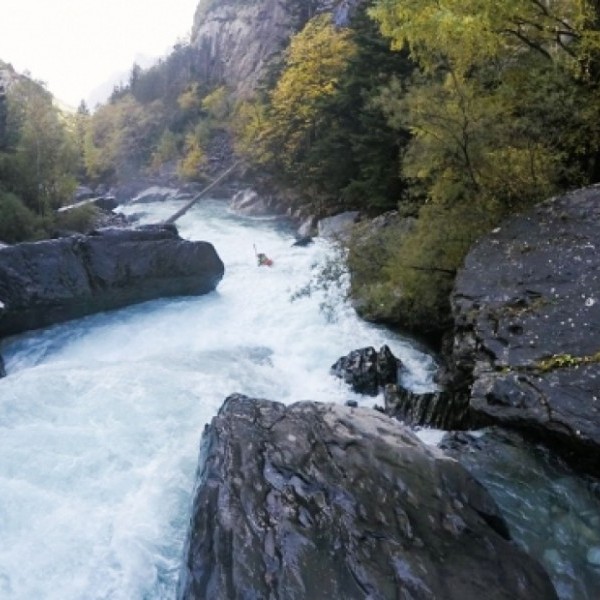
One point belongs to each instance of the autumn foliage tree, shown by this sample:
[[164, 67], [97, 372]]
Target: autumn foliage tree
[[315, 62], [503, 113], [317, 129]]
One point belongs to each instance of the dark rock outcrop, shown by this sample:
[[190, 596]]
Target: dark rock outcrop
[[527, 312], [2, 369], [325, 501], [302, 242], [106, 203], [441, 409], [366, 370], [56, 280]]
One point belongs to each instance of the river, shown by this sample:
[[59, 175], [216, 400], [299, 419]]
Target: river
[[100, 418]]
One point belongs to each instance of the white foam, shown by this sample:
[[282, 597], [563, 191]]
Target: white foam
[[100, 419]]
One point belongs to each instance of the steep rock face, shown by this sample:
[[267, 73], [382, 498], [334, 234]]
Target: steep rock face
[[55, 280], [235, 39], [326, 501], [527, 313]]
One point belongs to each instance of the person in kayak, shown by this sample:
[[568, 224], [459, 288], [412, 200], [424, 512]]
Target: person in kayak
[[263, 260]]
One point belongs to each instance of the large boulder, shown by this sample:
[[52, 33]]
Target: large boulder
[[249, 203], [325, 501], [154, 193], [55, 280], [339, 226], [527, 309]]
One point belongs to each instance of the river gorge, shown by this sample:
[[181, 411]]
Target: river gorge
[[101, 417]]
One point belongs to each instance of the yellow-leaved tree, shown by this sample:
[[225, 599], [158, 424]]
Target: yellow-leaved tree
[[315, 61], [504, 112]]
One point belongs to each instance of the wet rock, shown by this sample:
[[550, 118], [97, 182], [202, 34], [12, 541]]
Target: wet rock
[[307, 227], [338, 226], [526, 307], [106, 203], [441, 409], [324, 501], [367, 370], [303, 241], [154, 194], [56, 280], [249, 203]]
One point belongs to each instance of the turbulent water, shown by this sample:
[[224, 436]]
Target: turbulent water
[[100, 418], [100, 421]]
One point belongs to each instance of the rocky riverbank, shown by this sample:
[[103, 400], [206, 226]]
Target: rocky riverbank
[[526, 308], [51, 281], [325, 501]]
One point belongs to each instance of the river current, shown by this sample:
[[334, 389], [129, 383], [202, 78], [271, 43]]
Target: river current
[[100, 418]]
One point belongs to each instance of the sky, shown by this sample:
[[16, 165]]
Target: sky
[[75, 46]]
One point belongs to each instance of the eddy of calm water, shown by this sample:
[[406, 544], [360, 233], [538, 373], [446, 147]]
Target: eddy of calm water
[[100, 418]]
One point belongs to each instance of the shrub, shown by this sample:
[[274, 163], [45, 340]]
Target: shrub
[[17, 222], [80, 219]]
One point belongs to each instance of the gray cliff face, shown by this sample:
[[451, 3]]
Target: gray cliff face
[[527, 311], [235, 39]]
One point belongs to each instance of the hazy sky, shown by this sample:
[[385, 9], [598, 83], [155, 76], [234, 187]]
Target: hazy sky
[[76, 45]]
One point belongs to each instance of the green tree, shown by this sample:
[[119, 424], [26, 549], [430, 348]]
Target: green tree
[[43, 151], [511, 47], [122, 137], [190, 166], [315, 62], [17, 222], [496, 117], [318, 129], [166, 150], [216, 104]]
